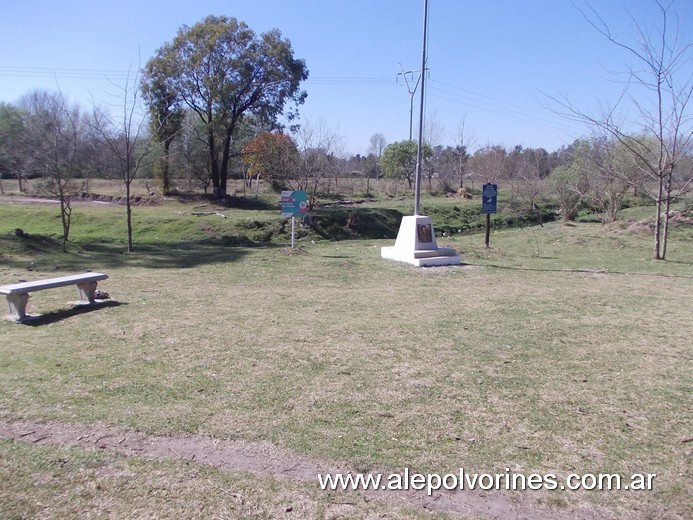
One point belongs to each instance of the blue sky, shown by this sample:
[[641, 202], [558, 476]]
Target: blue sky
[[491, 62]]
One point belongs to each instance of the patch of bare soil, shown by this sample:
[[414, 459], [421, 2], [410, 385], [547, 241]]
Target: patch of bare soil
[[266, 459], [676, 219], [83, 199], [344, 202]]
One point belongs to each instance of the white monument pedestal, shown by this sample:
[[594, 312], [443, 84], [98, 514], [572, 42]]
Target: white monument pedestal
[[416, 244]]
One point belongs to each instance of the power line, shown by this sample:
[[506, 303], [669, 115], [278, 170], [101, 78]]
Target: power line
[[72, 73], [496, 106], [46, 72], [348, 80], [437, 89]]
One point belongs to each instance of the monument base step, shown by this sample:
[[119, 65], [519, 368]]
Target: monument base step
[[422, 258]]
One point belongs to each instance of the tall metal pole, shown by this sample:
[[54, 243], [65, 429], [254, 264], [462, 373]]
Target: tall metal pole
[[419, 150]]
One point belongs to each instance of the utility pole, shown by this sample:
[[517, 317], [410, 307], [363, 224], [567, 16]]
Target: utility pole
[[417, 191], [416, 238], [411, 93]]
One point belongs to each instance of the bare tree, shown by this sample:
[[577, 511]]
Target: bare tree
[[377, 144], [55, 147], [375, 152], [661, 132], [433, 129], [445, 162], [488, 164], [463, 140], [127, 141], [532, 171], [319, 147]]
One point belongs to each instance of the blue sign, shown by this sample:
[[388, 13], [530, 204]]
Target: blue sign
[[489, 197], [294, 203]]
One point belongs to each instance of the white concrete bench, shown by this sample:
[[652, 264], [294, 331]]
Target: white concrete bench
[[18, 293]]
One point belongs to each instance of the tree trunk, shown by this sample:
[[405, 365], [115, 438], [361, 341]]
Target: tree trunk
[[128, 209], [213, 164], [65, 216], [658, 220], [166, 168], [224, 169], [667, 208]]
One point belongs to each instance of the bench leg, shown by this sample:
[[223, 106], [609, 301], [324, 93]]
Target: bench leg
[[86, 291], [17, 303]]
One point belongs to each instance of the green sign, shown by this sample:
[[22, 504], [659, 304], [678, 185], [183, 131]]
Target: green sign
[[294, 203]]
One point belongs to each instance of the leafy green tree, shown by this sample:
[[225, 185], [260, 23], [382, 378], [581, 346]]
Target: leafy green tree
[[223, 71], [190, 156], [563, 182], [166, 115], [605, 167], [399, 160], [12, 139]]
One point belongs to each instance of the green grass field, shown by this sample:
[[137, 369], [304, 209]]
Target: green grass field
[[562, 349]]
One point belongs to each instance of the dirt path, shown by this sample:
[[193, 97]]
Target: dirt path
[[266, 459]]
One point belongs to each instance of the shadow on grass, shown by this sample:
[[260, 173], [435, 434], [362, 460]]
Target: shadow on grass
[[63, 314], [104, 255], [346, 223], [681, 262], [182, 255], [577, 270], [250, 202]]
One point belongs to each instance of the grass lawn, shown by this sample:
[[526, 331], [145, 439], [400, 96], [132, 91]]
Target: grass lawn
[[562, 349]]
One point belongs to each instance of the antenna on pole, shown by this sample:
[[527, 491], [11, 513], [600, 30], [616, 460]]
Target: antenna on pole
[[419, 150], [411, 91]]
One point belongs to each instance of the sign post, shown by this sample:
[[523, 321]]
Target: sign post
[[294, 203], [489, 198]]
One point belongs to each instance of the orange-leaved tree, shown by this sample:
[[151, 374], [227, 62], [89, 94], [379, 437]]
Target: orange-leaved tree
[[272, 156]]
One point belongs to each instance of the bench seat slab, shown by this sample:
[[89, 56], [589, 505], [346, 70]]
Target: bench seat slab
[[18, 294], [40, 285]]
